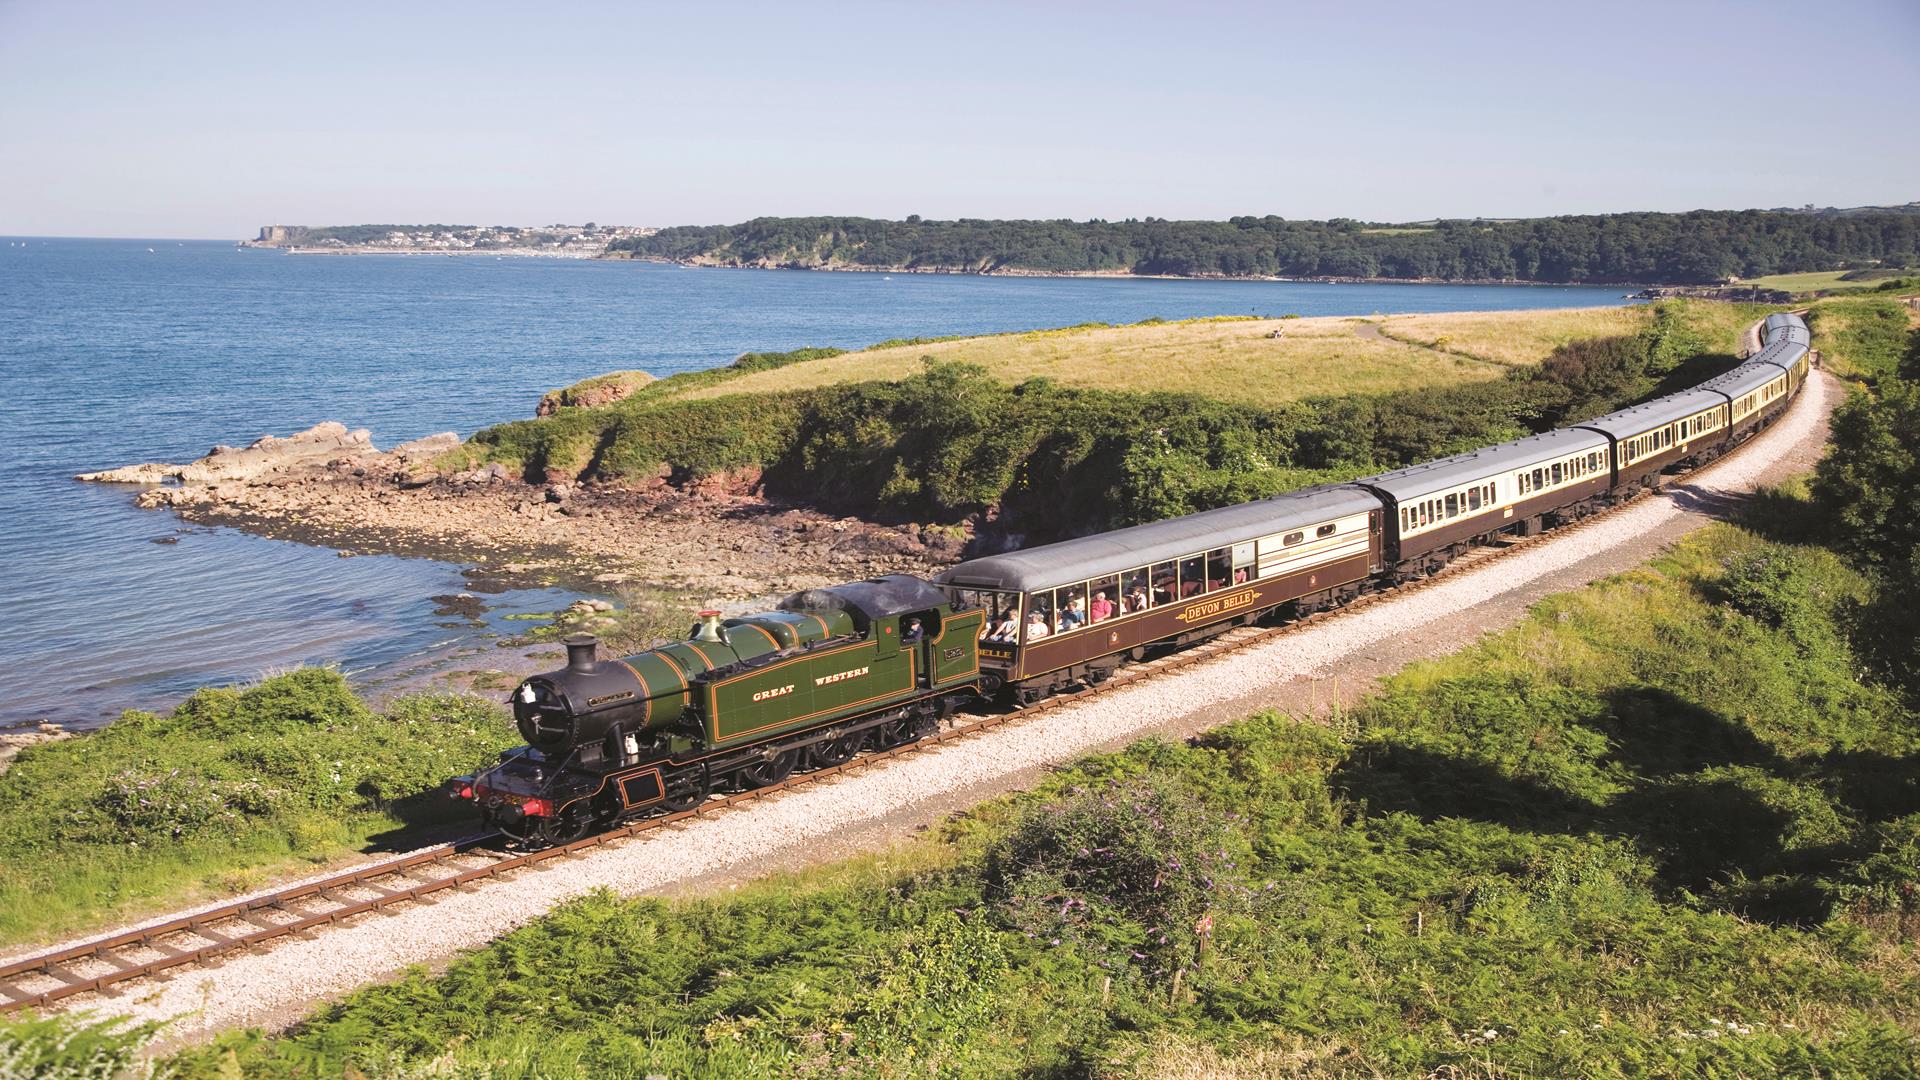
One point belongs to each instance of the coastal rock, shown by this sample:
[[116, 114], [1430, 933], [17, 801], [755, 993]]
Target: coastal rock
[[430, 446], [317, 446], [15, 741], [719, 533]]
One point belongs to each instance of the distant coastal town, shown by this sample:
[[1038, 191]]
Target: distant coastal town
[[587, 241]]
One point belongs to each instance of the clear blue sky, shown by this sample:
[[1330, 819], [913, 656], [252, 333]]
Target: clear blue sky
[[210, 119]]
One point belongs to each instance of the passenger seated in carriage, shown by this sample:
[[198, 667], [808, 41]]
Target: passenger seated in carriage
[[1074, 615], [1037, 626], [1101, 609], [1006, 629]]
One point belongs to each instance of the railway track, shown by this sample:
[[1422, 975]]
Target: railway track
[[158, 949]]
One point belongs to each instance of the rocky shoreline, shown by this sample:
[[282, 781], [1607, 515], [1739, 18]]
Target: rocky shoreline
[[718, 537]]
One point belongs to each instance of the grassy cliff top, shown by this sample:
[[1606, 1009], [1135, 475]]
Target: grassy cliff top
[[1240, 360]]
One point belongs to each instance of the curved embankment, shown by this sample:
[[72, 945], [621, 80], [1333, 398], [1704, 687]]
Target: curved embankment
[[1299, 670]]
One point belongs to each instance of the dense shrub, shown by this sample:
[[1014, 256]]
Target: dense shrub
[[69, 1048], [1134, 871]]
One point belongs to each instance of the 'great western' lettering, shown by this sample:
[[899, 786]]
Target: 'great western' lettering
[[773, 693], [825, 679]]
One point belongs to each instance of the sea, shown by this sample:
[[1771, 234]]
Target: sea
[[120, 351]]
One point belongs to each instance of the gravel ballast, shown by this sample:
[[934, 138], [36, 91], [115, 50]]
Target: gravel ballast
[[276, 985]]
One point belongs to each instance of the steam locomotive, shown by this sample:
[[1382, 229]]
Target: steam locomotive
[[741, 702]]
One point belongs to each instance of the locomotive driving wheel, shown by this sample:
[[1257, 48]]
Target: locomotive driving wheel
[[900, 732], [687, 788], [771, 771], [838, 751], [574, 823]]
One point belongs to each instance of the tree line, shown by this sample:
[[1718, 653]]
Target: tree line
[[1696, 247]]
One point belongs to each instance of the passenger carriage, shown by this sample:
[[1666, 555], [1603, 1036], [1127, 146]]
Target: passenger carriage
[[1753, 391], [1649, 438], [1437, 509], [1078, 607], [1791, 355]]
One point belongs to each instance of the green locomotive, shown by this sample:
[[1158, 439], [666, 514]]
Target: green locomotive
[[741, 702]]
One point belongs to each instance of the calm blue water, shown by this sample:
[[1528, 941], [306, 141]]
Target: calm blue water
[[111, 354]]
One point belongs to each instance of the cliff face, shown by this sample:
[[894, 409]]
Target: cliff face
[[281, 234]]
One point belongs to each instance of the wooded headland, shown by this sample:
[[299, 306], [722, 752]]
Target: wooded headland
[[1639, 248]]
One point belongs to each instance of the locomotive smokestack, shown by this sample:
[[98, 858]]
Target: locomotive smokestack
[[582, 652], [709, 628]]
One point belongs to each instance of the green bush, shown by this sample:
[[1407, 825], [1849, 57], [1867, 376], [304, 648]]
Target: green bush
[[70, 1048], [1134, 871]]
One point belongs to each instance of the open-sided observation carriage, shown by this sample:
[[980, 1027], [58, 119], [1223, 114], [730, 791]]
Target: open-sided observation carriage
[[743, 702], [1074, 611]]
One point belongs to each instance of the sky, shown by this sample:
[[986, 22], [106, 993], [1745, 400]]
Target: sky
[[212, 119]]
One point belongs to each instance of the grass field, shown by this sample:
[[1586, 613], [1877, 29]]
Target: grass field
[[1802, 282], [1512, 338], [1236, 361], [1826, 279]]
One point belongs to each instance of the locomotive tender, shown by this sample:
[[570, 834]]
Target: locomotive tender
[[744, 701]]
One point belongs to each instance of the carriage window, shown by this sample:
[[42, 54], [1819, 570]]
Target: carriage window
[[1473, 498], [1556, 472], [1453, 506], [1491, 497], [1292, 538], [1219, 568], [1165, 583], [1246, 564], [1003, 616], [1539, 479], [1324, 530], [1039, 621], [1103, 599], [1192, 576], [1136, 591], [1070, 608]]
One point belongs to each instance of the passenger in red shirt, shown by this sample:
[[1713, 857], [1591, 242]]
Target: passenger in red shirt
[[1101, 608]]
